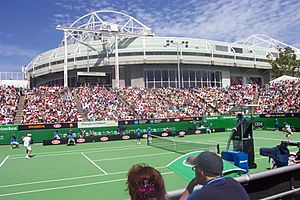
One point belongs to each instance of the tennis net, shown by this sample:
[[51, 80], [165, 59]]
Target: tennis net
[[181, 147]]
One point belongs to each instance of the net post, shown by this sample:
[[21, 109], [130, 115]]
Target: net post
[[218, 148]]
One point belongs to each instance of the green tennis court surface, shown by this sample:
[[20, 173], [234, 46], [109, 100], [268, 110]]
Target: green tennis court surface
[[98, 170]]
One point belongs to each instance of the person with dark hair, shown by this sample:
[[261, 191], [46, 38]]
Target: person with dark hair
[[14, 143], [138, 135], [208, 168], [145, 183], [71, 138]]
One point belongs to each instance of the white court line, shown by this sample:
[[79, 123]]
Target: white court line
[[70, 178], [102, 150], [78, 151], [94, 163], [120, 158], [69, 186], [4, 161]]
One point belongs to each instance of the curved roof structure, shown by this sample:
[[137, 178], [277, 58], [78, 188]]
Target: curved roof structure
[[102, 25], [262, 40]]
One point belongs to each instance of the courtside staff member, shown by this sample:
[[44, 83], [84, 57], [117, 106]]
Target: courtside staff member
[[138, 135], [208, 168]]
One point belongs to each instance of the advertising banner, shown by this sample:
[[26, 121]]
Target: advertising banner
[[47, 126], [97, 124], [8, 128]]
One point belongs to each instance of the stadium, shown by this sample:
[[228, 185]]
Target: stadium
[[89, 54], [113, 94]]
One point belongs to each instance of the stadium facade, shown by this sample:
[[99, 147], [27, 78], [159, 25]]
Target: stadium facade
[[89, 55]]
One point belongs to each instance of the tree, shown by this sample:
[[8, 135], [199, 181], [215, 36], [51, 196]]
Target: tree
[[285, 64]]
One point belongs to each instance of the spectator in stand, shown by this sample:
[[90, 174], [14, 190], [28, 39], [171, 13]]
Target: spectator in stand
[[50, 105], [208, 168], [9, 98], [145, 183]]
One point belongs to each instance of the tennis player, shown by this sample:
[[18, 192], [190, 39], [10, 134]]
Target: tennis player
[[288, 131], [27, 144]]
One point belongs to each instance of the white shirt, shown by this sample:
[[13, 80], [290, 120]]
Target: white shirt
[[26, 141]]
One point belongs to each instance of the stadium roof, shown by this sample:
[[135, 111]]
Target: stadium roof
[[262, 40]]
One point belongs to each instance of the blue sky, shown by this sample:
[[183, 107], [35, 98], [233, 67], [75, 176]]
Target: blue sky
[[27, 27]]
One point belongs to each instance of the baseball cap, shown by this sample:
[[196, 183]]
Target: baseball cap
[[207, 161], [29, 135]]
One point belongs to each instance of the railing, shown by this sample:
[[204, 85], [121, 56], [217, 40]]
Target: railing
[[280, 183], [11, 76]]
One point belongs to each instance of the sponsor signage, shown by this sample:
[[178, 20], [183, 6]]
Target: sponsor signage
[[80, 140], [279, 115], [97, 124], [125, 137], [258, 124], [164, 134], [9, 128], [47, 126], [181, 133], [104, 139], [56, 126], [55, 142]]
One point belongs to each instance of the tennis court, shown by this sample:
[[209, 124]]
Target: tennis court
[[98, 170]]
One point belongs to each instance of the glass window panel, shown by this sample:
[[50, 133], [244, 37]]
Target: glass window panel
[[204, 84], [173, 84], [165, 75], [185, 75], [218, 76], [165, 84], [198, 75], [157, 75], [204, 75], [173, 75], [157, 84], [192, 75], [198, 84], [150, 84], [150, 75], [192, 84], [185, 84], [212, 76]]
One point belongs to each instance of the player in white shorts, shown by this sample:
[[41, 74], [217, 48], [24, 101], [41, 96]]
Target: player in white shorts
[[27, 144], [288, 131]]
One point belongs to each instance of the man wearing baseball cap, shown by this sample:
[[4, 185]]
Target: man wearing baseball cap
[[208, 168]]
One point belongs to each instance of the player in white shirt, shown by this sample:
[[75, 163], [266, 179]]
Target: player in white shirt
[[288, 131], [27, 144]]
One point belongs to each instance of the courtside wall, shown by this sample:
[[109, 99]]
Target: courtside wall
[[189, 125]]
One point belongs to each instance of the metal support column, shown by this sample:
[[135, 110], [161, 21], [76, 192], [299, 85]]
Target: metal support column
[[66, 59]]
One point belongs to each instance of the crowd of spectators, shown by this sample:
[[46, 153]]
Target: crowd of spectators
[[57, 104], [280, 97], [50, 105], [9, 98], [131, 103]]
